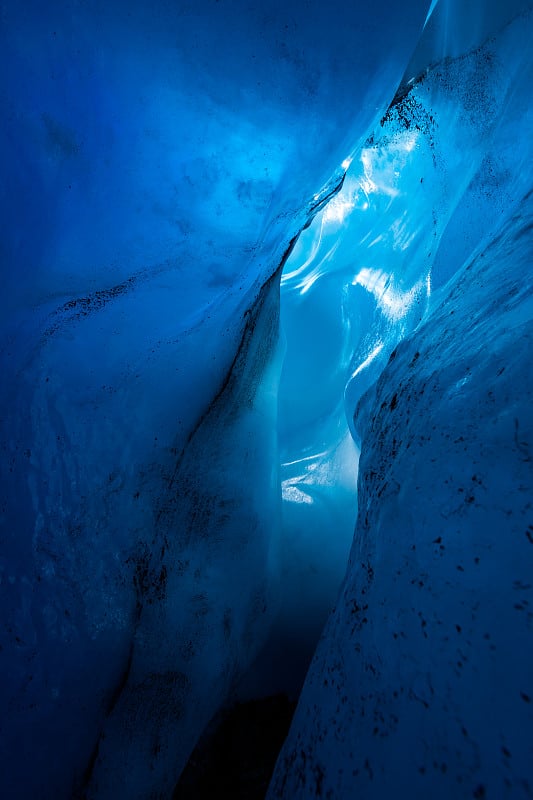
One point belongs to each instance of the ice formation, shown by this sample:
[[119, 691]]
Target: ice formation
[[179, 468], [422, 683]]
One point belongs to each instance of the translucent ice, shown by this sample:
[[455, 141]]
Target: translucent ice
[[421, 685]]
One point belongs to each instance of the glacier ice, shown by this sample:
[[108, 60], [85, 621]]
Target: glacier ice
[[158, 162], [412, 207], [421, 684], [180, 454]]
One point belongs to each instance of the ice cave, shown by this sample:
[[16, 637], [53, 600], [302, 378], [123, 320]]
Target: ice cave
[[266, 524]]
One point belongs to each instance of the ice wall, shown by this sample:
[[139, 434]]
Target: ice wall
[[361, 276], [158, 162], [421, 685]]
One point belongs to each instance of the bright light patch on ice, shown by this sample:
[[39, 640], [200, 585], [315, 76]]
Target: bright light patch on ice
[[375, 352], [431, 10], [408, 143], [403, 235], [367, 183], [292, 494], [338, 209], [391, 300], [319, 270]]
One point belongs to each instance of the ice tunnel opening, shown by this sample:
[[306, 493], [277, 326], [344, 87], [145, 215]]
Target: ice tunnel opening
[[347, 298], [340, 321], [318, 481]]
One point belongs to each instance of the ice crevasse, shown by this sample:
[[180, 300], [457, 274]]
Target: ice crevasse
[[184, 458]]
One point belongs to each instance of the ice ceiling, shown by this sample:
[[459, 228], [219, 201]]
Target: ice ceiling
[[248, 251]]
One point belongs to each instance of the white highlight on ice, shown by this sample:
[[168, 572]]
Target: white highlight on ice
[[391, 300], [375, 352], [431, 10]]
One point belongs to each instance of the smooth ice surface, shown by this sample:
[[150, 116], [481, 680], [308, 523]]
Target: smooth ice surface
[[158, 161]]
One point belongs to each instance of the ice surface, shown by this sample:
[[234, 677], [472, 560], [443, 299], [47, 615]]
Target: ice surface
[[179, 454], [414, 204], [157, 163], [421, 685]]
